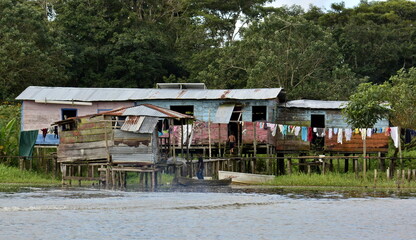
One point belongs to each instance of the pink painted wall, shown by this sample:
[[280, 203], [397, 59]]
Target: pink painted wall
[[39, 115]]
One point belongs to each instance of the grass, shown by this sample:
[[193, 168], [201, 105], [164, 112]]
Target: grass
[[340, 180], [14, 175]]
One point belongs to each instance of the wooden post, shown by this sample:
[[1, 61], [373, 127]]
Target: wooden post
[[21, 164], [403, 175], [289, 166], [346, 164], [364, 156], [153, 181], [400, 149], [309, 170], [63, 170], [414, 174], [173, 142], [375, 177], [219, 139], [209, 134], [356, 167], [388, 173], [79, 175], [255, 139], [113, 178], [409, 175], [268, 159]]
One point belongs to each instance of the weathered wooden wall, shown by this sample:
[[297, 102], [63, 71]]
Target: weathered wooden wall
[[133, 147], [378, 142], [36, 116], [333, 119], [263, 135], [87, 142]]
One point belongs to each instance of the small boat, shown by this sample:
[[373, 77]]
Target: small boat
[[200, 182], [245, 178]]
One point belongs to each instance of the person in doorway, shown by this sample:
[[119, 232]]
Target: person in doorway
[[200, 169], [231, 141]]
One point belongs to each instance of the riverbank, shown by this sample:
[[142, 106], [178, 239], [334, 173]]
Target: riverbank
[[13, 175]]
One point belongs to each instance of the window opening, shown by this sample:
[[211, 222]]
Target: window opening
[[259, 113], [185, 109]]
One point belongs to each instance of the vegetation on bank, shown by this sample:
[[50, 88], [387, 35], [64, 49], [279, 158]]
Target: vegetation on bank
[[15, 175], [341, 180]]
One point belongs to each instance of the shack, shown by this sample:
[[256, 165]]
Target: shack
[[326, 121], [125, 139]]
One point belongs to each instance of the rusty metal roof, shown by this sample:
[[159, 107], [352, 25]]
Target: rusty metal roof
[[314, 104], [131, 94], [141, 110], [153, 111], [132, 123]]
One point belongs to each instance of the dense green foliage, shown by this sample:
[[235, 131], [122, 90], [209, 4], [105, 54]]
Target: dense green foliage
[[312, 54], [9, 131]]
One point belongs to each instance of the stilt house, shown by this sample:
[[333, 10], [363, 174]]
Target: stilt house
[[324, 115]]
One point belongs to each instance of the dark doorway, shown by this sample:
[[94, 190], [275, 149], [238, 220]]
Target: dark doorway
[[68, 113], [318, 122], [185, 109]]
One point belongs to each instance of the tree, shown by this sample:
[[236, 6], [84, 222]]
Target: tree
[[29, 53], [283, 50]]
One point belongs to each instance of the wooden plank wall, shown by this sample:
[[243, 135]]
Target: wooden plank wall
[[87, 142], [378, 142], [263, 135]]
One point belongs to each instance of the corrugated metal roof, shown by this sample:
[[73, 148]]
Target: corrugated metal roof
[[224, 112], [132, 123], [132, 94], [153, 111], [314, 104], [141, 110], [148, 125]]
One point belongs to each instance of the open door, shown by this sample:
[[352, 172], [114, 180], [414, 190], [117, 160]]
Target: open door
[[318, 121]]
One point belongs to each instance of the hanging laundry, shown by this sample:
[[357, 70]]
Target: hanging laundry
[[330, 133], [357, 131], [273, 128], [387, 131], [320, 132], [44, 132], [369, 132], [339, 136], [348, 134], [335, 131], [310, 134], [280, 128], [363, 133], [284, 132], [315, 129], [394, 133], [305, 134], [55, 131], [297, 130]]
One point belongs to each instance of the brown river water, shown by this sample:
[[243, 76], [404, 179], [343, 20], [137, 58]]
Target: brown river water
[[223, 213]]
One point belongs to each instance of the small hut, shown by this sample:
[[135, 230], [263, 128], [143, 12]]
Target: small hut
[[125, 139]]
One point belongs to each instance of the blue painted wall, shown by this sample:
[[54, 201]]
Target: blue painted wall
[[205, 110], [333, 118]]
